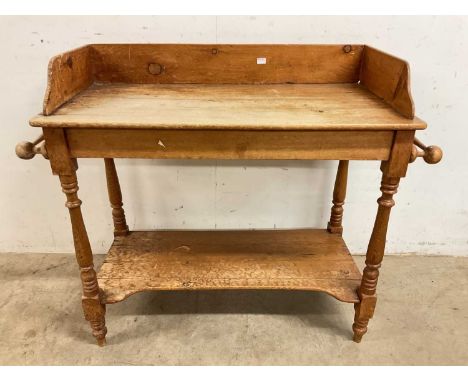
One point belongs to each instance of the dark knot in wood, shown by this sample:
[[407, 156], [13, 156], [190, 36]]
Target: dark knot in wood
[[155, 68], [347, 48]]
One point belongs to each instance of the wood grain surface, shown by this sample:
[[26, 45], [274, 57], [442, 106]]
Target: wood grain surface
[[228, 144], [384, 75], [303, 259], [229, 64], [68, 74], [388, 77], [301, 107], [229, 102]]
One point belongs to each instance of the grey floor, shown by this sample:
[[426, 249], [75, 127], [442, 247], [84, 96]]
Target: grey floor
[[421, 319]]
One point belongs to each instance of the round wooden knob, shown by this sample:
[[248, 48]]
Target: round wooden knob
[[25, 150], [432, 154]]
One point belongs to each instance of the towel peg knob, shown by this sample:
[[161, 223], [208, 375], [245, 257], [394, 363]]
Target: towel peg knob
[[28, 150], [431, 154]]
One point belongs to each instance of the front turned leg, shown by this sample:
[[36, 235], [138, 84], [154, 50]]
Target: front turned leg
[[364, 310], [94, 310]]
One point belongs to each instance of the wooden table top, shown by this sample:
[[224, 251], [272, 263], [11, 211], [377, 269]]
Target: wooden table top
[[228, 106]]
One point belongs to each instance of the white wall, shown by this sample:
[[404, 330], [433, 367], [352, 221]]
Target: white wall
[[431, 215]]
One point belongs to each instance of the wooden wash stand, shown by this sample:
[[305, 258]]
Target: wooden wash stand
[[327, 102]]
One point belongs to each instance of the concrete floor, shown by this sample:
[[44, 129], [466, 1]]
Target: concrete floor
[[421, 319]]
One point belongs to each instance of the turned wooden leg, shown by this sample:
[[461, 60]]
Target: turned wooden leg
[[115, 198], [339, 195], [94, 310], [375, 251]]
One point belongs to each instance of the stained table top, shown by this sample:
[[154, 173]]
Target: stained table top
[[251, 107]]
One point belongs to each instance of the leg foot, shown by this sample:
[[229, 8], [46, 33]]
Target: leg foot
[[99, 331], [360, 324], [357, 336], [94, 311], [101, 342], [363, 312]]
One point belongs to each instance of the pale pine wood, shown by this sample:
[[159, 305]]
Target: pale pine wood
[[74, 71], [229, 64], [215, 101], [58, 153], [397, 164], [65, 167], [246, 107], [339, 195], [68, 74], [392, 170], [115, 198], [273, 259], [388, 77], [217, 144], [94, 309], [364, 310]]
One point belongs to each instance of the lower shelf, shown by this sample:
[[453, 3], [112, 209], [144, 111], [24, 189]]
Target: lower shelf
[[300, 259]]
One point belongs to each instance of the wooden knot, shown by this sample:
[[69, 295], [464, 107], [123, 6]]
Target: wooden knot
[[155, 68], [347, 48], [69, 62]]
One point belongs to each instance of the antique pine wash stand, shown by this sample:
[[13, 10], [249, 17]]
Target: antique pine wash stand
[[337, 102]]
